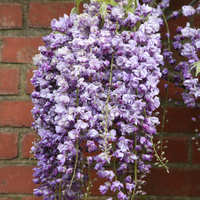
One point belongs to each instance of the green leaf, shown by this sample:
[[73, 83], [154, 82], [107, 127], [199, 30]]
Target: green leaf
[[138, 24], [131, 10], [135, 4], [129, 4], [103, 9], [111, 2], [77, 4], [197, 65], [74, 10]]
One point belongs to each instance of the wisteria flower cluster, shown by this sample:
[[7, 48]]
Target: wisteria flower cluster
[[95, 97], [187, 42]]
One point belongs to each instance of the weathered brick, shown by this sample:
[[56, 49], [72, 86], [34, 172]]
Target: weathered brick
[[29, 85], [179, 145], [11, 15], [179, 182], [174, 93], [47, 11], [16, 179], [179, 119], [97, 182], [5, 199], [173, 24], [8, 145], [19, 49], [195, 152], [16, 113], [32, 198], [27, 144], [9, 81], [175, 5]]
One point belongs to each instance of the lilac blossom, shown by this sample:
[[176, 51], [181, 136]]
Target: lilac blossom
[[97, 85], [188, 11]]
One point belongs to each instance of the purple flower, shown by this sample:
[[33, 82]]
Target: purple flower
[[37, 192], [143, 140], [122, 144], [193, 119], [74, 134], [98, 86], [188, 11], [103, 189], [91, 146], [116, 185], [80, 125], [62, 24], [147, 157], [130, 187], [61, 158], [175, 15], [122, 196], [92, 133]]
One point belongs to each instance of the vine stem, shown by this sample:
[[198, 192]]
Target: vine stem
[[115, 166], [166, 99], [165, 107], [192, 3], [135, 169], [89, 185], [158, 157], [107, 100], [77, 144], [60, 189]]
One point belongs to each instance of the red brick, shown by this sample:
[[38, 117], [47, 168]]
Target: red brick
[[196, 21], [173, 24], [47, 12], [9, 81], [16, 113], [32, 198], [29, 85], [98, 181], [179, 182], [195, 152], [172, 91], [179, 120], [8, 145], [11, 16], [177, 150], [27, 144], [16, 179], [175, 5], [5, 199], [20, 49]]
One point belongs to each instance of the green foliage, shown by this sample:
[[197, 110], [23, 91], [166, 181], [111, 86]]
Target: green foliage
[[197, 65], [111, 2], [129, 8], [74, 10], [103, 10]]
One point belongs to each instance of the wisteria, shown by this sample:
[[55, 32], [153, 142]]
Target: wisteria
[[96, 93]]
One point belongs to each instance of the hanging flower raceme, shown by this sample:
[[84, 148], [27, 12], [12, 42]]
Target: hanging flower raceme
[[96, 90]]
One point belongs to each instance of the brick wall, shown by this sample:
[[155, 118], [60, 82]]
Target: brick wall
[[22, 24]]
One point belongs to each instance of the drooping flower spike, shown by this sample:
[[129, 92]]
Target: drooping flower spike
[[95, 91]]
